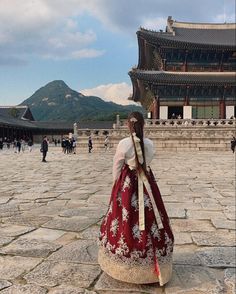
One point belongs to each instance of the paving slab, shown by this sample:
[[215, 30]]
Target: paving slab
[[106, 283], [219, 257], [27, 220], [24, 289], [229, 279], [73, 224], [12, 267], [218, 238], [70, 290], [4, 284], [223, 224], [194, 279], [14, 230], [51, 274], [30, 247], [81, 251]]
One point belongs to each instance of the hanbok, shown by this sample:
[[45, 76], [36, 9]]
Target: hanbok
[[136, 241]]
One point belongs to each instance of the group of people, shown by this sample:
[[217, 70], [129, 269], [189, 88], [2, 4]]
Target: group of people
[[176, 116], [19, 145], [68, 145]]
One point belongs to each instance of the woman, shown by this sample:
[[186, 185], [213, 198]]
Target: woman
[[136, 240]]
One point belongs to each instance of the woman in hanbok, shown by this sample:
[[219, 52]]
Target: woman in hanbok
[[136, 240]]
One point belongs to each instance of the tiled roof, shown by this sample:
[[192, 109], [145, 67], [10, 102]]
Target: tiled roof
[[23, 112], [7, 119], [6, 110], [15, 122], [219, 78], [192, 36], [53, 125]]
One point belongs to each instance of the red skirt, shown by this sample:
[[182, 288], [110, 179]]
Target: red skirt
[[125, 252]]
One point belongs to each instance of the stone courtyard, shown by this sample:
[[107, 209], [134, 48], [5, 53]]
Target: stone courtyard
[[50, 215]]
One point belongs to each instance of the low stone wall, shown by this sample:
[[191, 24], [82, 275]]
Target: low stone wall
[[167, 138]]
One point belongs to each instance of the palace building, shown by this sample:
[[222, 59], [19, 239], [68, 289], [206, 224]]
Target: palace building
[[17, 122], [188, 70]]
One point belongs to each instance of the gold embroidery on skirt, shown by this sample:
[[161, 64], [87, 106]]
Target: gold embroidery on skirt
[[136, 274]]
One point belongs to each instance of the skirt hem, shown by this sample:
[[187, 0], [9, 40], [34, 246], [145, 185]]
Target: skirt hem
[[136, 274]]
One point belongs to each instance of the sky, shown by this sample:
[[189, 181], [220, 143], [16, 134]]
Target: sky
[[89, 44]]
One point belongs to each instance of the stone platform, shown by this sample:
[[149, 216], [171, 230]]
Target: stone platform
[[50, 215]]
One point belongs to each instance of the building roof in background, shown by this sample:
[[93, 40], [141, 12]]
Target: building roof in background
[[53, 125], [19, 112], [7, 119], [21, 117]]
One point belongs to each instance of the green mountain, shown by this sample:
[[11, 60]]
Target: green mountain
[[56, 101]]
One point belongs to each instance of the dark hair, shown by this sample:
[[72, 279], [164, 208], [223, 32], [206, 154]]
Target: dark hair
[[137, 127]]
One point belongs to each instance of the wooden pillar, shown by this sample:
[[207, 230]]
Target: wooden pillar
[[186, 101], [222, 109], [222, 104], [185, 61], [221, 61], [156, 108]]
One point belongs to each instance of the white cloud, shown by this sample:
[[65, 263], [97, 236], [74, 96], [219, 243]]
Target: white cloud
[[117, 93], [45, 29], [156, 23], [87, 53], [49, 27], [223, 17]]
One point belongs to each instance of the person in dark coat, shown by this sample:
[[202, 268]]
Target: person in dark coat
[[18, 145], [90, 144], [233, 144], [44, 148]]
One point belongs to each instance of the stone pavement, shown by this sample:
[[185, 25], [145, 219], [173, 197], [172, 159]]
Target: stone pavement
[[50, 215]]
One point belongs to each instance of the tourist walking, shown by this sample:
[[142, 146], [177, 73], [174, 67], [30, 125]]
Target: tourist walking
[[233, 144], [30, 145], [90, 144], [63, 145], [18, 146], [106, 143], [44, 148], [22, 145], [136, 241], [74, 145]]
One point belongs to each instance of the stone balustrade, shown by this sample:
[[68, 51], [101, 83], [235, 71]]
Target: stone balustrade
[[190, 122], [185, 122], [196, 135]]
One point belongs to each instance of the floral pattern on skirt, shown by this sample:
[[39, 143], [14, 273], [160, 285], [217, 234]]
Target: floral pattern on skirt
[[125, 252]]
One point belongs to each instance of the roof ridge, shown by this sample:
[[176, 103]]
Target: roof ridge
[[13, 106], [209, 26], [206, 73]]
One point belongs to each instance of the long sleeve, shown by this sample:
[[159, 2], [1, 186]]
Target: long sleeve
[[149, 151], [118, 162]]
